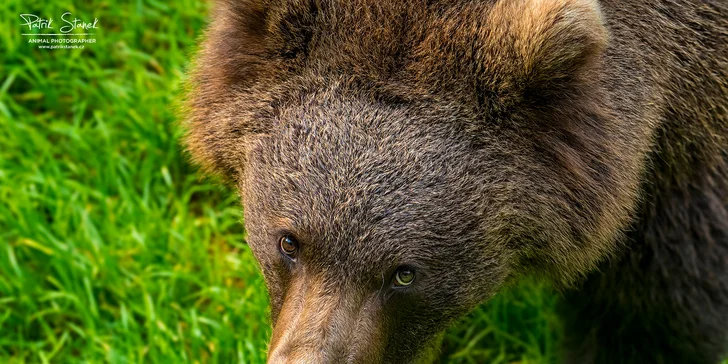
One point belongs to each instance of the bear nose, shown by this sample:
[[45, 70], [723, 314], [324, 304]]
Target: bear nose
[[320, 324]]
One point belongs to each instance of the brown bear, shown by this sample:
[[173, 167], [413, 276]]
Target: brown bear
[[400, 161]]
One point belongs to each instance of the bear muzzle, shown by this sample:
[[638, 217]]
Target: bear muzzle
[[321, 322]]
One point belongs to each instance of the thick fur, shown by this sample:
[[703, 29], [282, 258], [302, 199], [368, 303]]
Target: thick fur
[[475, 142]]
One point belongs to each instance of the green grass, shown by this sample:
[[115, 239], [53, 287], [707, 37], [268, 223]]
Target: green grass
[[112, 246]]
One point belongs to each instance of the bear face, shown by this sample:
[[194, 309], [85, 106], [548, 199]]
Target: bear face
[[399, 162], [364, 200]]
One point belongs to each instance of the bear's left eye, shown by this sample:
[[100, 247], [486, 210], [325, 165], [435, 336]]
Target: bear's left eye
[[404, 277]]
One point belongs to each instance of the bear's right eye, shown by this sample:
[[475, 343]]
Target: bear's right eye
[[288, 246]]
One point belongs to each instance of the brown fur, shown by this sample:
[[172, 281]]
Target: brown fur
[[475, 141]]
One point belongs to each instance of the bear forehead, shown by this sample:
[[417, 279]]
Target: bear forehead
[[312, 171], [329, 173], [506, 68]]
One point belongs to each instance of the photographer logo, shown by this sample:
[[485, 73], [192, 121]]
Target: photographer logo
[[69, 32]]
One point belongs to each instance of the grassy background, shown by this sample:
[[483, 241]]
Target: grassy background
[[112, 247]]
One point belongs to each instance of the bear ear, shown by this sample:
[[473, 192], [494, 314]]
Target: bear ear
[[554, 42], [230, 60], [249, 46], [248, 36]]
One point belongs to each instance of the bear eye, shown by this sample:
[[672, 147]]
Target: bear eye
[[288, 245], [404, 277]]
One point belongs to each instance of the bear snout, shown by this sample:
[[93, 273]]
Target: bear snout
[[321, 323]]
